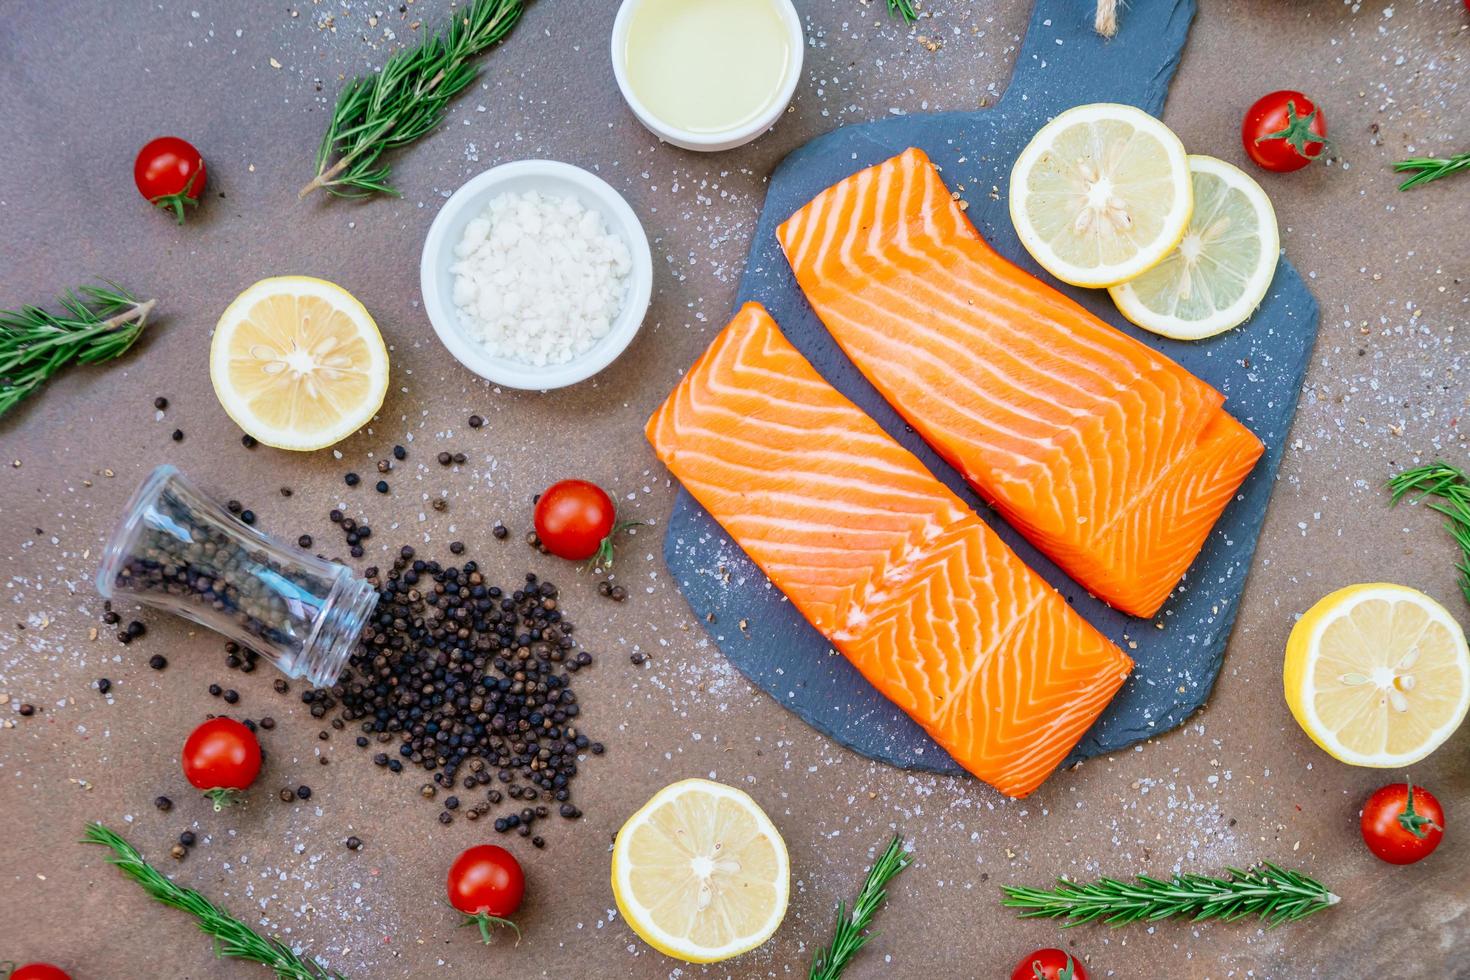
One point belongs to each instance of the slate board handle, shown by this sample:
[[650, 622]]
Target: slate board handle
[[1086, 67]]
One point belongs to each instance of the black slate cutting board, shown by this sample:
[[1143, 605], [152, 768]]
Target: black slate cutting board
[[1259, 367]]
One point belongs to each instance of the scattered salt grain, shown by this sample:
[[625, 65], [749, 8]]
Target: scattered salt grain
[[540, 278]]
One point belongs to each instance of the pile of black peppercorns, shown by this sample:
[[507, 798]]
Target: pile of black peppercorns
[[473, 684]]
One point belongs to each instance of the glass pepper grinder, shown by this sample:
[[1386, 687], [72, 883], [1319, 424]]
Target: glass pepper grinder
[[179, 550]]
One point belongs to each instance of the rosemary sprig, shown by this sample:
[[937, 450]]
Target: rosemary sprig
[[851, 933], [98, 325], [232, 937], [407, 99], [1430, 168], [1450, 486], [1275, 894], [904, 9]]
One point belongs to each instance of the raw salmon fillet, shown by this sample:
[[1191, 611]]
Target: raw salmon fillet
[[1109, 457], [893, 569]]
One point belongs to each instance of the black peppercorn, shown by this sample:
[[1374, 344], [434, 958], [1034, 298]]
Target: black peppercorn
[[103, 685], [303, 792], [445, 459], [248, 516], [400, 453], [354, 843], [287, 796], [158, 661], [476, 421], [352, 479], [178, 435], [187, 838], [215, 690], [160, 403], [304, 541], [163, 803], [500, 531], [232, 696], [267, 723], [136, 629], [26, 710], [456, 547], [248, 441], [281, 686]]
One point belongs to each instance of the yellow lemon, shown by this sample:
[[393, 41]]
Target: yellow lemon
[[700, 872], [1378, 675], [1101, 194], [298, 363], [1222, 268]]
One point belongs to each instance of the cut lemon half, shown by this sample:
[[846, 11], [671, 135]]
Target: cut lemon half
[[298, 363], [1378, 675], [1222, 267], [1101, 194], [700, 872]]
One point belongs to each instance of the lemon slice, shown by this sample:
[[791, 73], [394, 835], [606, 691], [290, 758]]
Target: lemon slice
[[1378, 675], [1101, 194], [298, 363], [700, 872], [1219, 273]]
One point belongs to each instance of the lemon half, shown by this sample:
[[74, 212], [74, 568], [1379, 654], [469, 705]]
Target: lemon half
[[1101, 194], [700, 872], [298, 363], [1378, 675], [1221, 269]]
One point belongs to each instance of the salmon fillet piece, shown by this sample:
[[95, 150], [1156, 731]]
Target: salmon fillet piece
[[1110, 458], [884, 560]]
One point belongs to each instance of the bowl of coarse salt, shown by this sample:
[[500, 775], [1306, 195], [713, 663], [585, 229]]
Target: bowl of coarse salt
[[536, 274]]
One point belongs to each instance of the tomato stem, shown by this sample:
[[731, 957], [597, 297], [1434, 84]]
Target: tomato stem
[[222, 797], [178, 201], [1298, 132], [1413, 821], [603, 557], [485, 920]]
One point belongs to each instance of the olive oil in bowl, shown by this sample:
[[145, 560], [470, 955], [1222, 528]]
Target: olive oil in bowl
[[707, 74]]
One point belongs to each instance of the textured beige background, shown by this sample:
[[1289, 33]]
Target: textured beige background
[[84, 84]]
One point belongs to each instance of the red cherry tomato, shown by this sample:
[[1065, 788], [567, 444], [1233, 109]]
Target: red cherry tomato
[[37, 971], [486, 884], [221, 757], [1049, 964], [575, 519], [1284, 131], [1402, 823], [170, 173]]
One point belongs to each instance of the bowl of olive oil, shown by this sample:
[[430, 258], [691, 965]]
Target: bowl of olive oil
[[707, 74]]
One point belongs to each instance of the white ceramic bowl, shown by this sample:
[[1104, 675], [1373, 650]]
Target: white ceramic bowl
[[709, 142], [469, 202]]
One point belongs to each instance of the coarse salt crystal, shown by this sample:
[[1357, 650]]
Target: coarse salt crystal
[[539, 278]]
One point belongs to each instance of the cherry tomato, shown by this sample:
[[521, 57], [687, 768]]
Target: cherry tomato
[[486, 884], [1284, 131], [575, 520], [1049, 964], [170, 173], [1402, 823], [36, 971], [221, 757]]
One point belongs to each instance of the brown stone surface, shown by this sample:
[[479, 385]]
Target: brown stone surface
[[83, 85]]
